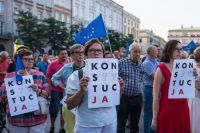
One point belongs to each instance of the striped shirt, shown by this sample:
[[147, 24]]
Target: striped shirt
[[132, 74], [27, 119]]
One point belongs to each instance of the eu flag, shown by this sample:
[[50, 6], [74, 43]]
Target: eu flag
[[190, 46], [19, 66], [95, 29]]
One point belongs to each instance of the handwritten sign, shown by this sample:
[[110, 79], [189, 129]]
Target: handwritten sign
[[21, 98], [182, 83], [103, 86]]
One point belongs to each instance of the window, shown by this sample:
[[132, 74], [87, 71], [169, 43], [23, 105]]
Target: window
[[125, 30], [40, 1], [1, 7], [128, 22], [62, 17], [124, 20], [17, 8]]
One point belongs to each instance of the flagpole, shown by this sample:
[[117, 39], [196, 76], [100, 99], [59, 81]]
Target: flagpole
[[109, 42], [108, 38]]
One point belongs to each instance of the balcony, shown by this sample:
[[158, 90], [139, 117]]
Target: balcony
[[5, 35]]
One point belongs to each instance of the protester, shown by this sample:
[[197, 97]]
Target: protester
[[122, 52], [12, 66], [43, 64], [169, 115], [77, 54], [28, 122], [56, 91], [131, 71], [4, 63], [194, 103], [98, 120], [117, 54], [149, 65], [107, 54]]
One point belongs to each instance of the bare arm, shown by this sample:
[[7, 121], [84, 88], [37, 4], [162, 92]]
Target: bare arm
[[158, 78], [75, 99]]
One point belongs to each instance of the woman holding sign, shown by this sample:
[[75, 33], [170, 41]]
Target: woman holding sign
[[90, 120], [28, 122], [169, 115]]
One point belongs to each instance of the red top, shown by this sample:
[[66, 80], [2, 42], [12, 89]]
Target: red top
[[52, 69], [173, 115]]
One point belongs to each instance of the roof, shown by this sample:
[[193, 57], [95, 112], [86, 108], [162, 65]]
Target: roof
[[186, 29]]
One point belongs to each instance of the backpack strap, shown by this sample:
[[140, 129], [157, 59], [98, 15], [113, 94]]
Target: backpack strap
[[80, 73]]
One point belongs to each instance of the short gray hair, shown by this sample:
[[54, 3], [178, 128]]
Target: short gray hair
[[3, 55], [150, 48], [134, 43], [75, 46]]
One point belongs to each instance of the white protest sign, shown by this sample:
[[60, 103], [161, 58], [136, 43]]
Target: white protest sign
[[182, 83], [103, 86], [64, 103], [21, 98]]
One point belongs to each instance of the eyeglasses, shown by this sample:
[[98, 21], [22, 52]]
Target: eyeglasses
[[28, 59], [178, 49], [93, 51], [78, 52]]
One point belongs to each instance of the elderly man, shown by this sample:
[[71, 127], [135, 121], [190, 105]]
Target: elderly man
[[149, 65], [77, 54], [98, 120], [130, 69]]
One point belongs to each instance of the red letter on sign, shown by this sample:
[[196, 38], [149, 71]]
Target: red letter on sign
[[172, 92], [24, 107], [181, 92], [94, 100], [15, 109], [104, 99]]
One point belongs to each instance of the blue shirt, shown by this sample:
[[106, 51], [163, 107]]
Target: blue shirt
[[150, 66], [131, 72], [85, 117], [42, 66]]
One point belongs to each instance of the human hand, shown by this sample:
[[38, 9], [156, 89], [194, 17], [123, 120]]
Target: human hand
[[154, 125], [84, 83], [34, 87]]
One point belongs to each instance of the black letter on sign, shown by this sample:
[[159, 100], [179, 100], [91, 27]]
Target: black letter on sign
[[94, 77], [174, 82], [184, 65], [113, 66], [95, 88], [189, 82], [30, 97], [10, 83], [94, 66], [191, 65], [19, 82], [13, 99], [104, 66], [175, 74], [113, 87], [27, 81], [105, 89], [177, 65], [22, 99], [12, 92]]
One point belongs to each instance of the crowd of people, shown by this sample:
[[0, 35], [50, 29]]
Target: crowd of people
[[144, 85]]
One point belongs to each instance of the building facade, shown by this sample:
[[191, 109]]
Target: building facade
[[148, 38], [131, 25], [185, 35], [84, 11]]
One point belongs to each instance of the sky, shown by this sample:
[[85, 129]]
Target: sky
[[163, 15]]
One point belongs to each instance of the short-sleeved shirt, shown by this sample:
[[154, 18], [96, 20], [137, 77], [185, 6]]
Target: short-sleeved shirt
[[53, 68], [86, 117], [150, 66], [132, 73]]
